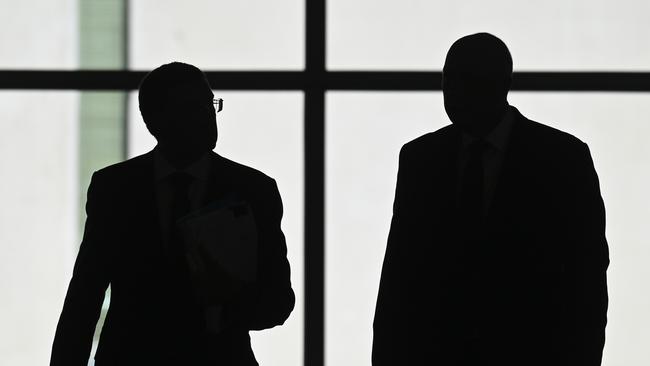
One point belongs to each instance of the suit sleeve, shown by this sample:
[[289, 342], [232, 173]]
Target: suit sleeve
[[590, 259], [391, 343], [270, 300], [83, 301]]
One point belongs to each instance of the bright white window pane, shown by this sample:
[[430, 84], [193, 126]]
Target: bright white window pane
[[38, 34], [221, 34], [262, 130], [542, 35], [364, 134], [38, 219], [363, 140], [616, 129]]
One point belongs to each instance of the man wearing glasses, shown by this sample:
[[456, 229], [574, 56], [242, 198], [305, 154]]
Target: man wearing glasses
[[189, 241]]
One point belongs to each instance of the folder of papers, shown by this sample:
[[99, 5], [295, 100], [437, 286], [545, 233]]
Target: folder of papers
[[227, 233], [224, 233]]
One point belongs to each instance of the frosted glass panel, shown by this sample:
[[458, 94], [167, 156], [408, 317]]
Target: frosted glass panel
[[262, 130], [38, 219], [363, 141], [38, 34], [542, 35], [222, 34]]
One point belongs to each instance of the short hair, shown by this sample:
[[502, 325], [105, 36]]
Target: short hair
[[154, 87], [482, 52]]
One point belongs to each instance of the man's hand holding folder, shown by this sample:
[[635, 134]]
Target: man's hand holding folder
[[221, 252]]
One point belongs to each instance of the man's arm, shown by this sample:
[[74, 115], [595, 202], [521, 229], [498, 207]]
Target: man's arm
[[270, 300], [590, 259], [391, 326], [82, 306]]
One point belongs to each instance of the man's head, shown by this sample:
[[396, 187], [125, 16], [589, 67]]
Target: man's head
[[475, 82], [176, 105]]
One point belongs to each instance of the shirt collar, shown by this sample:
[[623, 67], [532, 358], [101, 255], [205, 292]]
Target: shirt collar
[[498, 137], [163, 169]]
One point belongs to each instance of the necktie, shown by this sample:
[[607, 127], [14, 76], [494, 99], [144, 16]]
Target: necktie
[[471, 223], [472, 188], [180, 182]]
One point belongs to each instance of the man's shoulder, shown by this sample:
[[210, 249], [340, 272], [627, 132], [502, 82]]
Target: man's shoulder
[[126, 169], [432, 140], [547, 133], [244, 181], [142, 164], [242, 173], [543, 136]]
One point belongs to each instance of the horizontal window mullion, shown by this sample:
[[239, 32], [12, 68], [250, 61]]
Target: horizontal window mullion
[[341, 80]]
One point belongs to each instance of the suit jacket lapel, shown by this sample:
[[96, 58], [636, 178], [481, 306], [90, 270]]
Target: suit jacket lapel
[[443, 183], [144, 203], [515, 164], [450, 175], [436, 172], [218, 182]]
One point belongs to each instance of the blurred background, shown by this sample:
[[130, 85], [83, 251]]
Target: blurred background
[[51, 140]]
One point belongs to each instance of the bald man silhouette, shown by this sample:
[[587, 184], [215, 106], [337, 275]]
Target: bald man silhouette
[[497, 252]]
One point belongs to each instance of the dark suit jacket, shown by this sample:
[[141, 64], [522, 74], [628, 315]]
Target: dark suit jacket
[[533, 292], [153, 318]]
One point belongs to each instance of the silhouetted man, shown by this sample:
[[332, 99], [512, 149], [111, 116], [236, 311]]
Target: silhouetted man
[[497, 252], [171, 305]]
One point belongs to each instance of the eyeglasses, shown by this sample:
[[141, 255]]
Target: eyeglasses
[[184, 105], [218, 104]]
